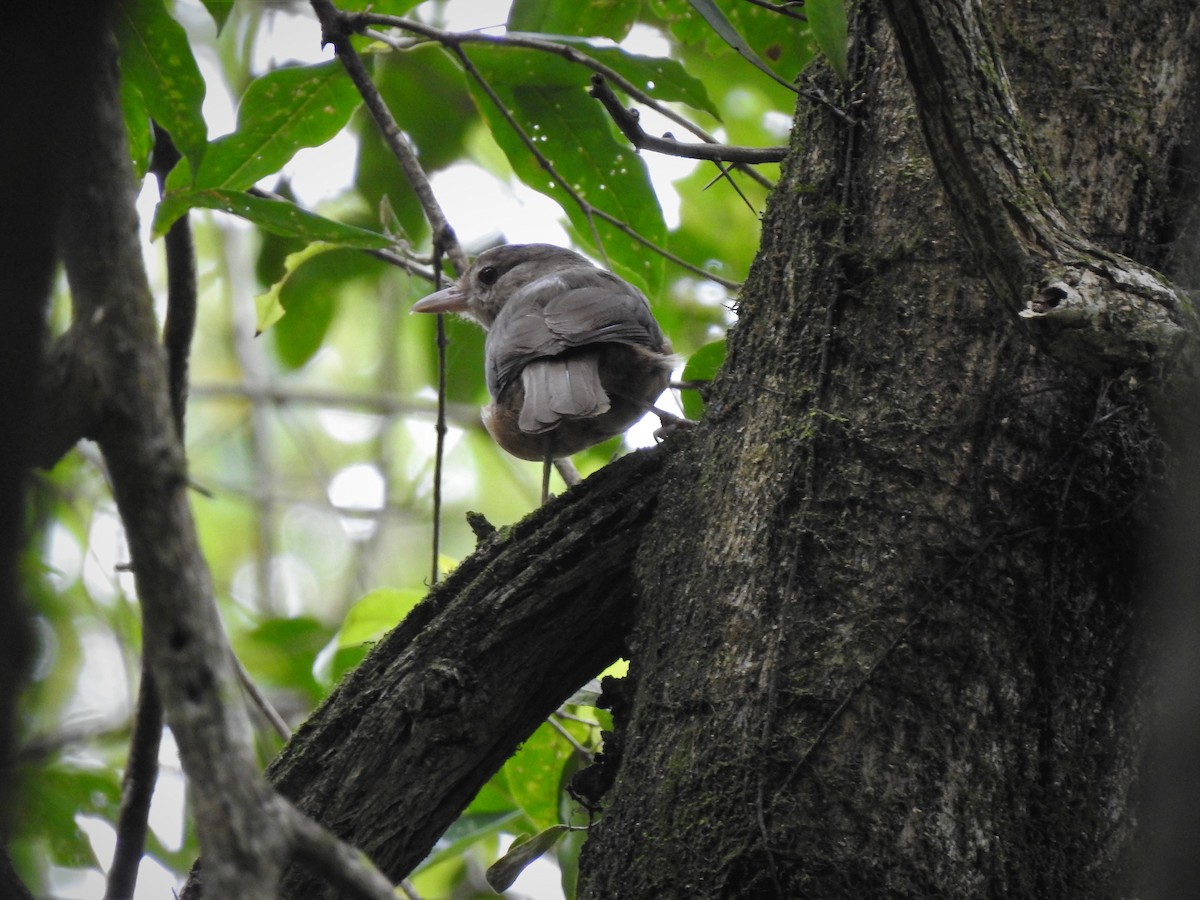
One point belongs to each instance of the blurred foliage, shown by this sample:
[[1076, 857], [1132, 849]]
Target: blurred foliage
[[313, 443]]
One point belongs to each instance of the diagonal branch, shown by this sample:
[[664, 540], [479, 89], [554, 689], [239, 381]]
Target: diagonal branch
[[335, 30], [407, 739], [1086, 305], [628, 121], [243, 825], [589, 210], [141, 768], [455, 39]]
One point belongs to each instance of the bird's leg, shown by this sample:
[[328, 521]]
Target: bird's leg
[[547, 464], [670, 423]]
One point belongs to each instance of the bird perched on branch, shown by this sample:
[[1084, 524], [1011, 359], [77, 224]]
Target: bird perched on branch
[[573, 355]]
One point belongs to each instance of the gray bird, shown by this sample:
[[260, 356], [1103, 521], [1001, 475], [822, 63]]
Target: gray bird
[[573, 355]]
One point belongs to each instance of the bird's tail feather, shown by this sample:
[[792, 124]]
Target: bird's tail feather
[[562, 387]]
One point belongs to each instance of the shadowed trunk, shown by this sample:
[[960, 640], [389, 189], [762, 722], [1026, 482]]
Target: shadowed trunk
[[891, 595]]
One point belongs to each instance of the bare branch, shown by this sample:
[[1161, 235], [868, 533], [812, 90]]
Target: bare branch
[[185, 644], [242, 823], [336, 30], [440, 429], [452, 39], [141, 768], [345, 868], [628, 121], [784, 9], [137, 789]]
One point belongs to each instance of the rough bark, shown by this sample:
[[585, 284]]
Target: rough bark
[[890, 599], [405, 742]]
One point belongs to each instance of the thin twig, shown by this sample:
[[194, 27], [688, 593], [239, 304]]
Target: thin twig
[[784, 9], [440, 428], [567, 471], [628, 121], [335, 30], [259, 700], [137, 790], [570, 738], [571, 54], [588, 209]]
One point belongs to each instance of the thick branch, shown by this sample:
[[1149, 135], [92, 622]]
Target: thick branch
[[141, 768], [183, 639], [1087, 305], [243, 825], [405, 742]]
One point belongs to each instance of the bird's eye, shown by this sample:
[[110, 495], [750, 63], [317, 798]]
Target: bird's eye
[[488, 275]]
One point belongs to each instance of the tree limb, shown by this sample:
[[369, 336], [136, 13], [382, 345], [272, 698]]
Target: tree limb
[[336, 30], [455, 39], [243, 824], [410, 736], [1086, 305], [141, 766]]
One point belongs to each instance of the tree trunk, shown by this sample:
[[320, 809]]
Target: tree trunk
[[891, 594]]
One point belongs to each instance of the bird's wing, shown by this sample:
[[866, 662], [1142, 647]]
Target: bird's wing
[[563, 311]]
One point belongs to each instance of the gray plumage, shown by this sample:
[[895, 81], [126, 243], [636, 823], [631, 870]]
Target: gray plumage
[[573, 354]]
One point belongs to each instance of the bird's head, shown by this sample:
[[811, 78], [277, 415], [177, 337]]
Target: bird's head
[[495, 276]]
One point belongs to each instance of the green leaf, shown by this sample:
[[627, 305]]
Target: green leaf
[[532, 774], [827, 19], [313, 292], [219, 10], [60, 792], [425, 91], [722, 26], [137, 127], [547, 98], [596, 18], [281, 112], [268, 305], [309, 298], [702, 366], [375, 614], [504, 871], [280, 652], [157, 59], [276, 216], [469, 828]]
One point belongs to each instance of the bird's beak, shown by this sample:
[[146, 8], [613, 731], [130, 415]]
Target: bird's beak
[[450, 299]]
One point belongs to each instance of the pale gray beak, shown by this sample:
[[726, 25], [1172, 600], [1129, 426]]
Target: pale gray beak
[[450, 299]]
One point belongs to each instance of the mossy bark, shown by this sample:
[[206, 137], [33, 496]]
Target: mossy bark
[[889, 602]]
